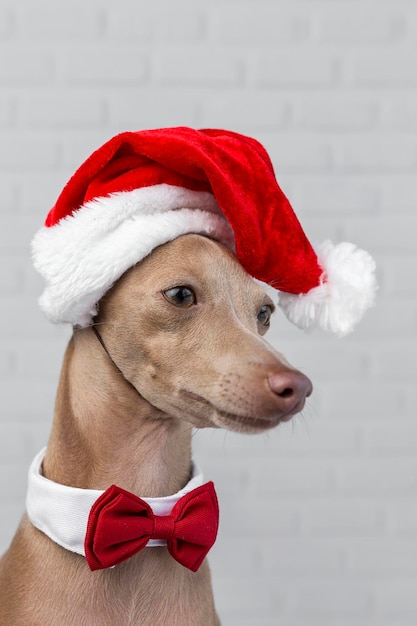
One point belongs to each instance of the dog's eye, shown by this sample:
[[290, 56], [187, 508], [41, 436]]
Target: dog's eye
[[264, 315], [180, 296]]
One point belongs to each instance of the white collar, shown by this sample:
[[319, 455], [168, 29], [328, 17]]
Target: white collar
[[62, 512]]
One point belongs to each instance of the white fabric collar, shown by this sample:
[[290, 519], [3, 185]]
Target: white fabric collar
[[62, 512]]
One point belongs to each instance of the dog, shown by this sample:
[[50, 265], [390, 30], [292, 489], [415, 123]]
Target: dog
[[177, 344], [150, 252]]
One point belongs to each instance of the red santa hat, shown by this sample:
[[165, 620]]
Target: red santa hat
[[142, 189]]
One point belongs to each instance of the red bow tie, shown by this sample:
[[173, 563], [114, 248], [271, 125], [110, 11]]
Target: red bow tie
[[120, 524]]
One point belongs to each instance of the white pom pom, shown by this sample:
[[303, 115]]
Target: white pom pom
[[347, 289]]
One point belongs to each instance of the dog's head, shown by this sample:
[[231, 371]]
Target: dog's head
[[186, 328]]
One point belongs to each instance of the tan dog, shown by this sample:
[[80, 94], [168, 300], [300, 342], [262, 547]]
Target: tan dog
[[184, 334]]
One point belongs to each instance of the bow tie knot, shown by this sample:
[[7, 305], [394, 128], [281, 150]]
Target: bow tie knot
[[120, 525], [163, 527]]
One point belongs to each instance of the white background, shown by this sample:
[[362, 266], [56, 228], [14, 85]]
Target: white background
[[319, 518]]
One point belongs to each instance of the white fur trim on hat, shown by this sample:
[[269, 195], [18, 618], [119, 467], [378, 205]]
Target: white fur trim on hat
[[348, 288], [83, 255]]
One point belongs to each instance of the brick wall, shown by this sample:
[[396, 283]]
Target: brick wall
[[331, 90]]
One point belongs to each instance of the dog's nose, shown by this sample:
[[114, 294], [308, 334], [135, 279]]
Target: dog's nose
[[291, 389]]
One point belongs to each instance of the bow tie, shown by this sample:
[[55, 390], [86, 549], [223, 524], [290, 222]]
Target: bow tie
[[120, 524]]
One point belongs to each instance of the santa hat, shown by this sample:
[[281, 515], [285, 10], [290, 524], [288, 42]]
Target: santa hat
[[143, 189]]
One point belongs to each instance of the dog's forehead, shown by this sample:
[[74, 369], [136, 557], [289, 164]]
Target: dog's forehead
[[196, 244], [190, 251], [201, 254], [199, 257]]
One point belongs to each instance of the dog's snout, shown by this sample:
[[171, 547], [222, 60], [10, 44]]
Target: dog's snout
[[290, 384], [291, 389]]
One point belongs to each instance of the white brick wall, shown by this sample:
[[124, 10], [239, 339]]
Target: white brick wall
[[319, 518]]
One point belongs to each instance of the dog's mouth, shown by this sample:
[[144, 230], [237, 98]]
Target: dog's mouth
[[246, 423], [241, 422]]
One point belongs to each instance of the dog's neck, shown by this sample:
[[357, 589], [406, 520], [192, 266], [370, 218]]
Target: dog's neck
[[105, 432]]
